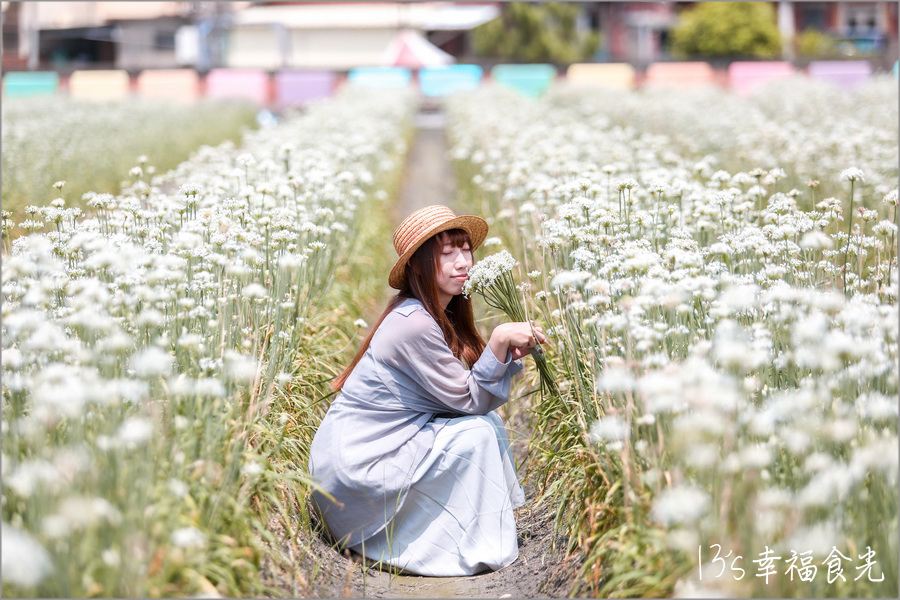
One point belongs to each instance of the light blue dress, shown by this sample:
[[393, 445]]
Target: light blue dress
[[415, 461]]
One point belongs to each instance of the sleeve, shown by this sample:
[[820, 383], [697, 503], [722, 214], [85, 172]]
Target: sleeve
[[416, 345]]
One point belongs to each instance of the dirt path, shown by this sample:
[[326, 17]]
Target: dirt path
[[429, 177], [542, 570]]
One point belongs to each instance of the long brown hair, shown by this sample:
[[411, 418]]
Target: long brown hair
[[457, 321]]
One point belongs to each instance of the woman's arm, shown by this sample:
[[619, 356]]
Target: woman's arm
[[415, 345], [499, 343]]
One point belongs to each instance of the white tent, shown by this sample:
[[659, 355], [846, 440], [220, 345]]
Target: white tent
[[410, 49]]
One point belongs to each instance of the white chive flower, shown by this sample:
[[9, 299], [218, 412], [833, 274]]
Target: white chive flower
[[487, 271], [134, 432], [680, 504], [188, 537], [611, 428], [25, 561], [151, 362], [852, 174]]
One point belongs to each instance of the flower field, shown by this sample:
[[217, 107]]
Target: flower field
[[716, 413], [719, 277], [92, 147], [162, 358]]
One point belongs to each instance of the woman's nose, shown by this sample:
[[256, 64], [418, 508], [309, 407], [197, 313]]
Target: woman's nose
[[462, 259]]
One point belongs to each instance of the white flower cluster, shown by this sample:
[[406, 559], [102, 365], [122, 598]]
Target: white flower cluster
[[487, 271], [135, 336], [721, 260]]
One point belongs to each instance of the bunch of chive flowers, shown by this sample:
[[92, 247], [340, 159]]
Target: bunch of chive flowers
[[491, 277]]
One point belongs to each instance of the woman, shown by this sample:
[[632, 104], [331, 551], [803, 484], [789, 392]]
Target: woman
[[414, 465]]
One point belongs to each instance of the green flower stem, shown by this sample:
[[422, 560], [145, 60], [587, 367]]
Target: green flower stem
[[502, 295], [890, 260], [849, 229]]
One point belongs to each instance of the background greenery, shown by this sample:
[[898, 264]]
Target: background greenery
[[535, 33], [727, 29]]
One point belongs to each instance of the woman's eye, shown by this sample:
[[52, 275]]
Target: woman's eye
[[450, 250]]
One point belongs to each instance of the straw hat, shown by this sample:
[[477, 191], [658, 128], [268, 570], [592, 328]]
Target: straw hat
[[424, 223]]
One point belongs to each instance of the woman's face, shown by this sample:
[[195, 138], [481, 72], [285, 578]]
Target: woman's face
[[453, 268]]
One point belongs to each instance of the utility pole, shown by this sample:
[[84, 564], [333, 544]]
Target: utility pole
[[786, 28], [209, 25], [30, 35]]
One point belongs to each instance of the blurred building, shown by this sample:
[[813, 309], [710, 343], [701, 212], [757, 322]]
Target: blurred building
[[632, 31], [340, 35], [638, 32], [72, 35], [140, 35], [859, 28]]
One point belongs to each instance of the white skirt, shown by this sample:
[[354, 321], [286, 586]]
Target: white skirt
[[458, 518]]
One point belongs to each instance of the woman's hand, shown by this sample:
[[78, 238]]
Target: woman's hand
[[523, 337], [518, 337]]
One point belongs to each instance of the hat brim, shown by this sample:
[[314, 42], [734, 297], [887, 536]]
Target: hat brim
[[476, 227]]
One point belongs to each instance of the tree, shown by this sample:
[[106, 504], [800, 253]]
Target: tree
[[812, 43], [542, 32], [727, 29]]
